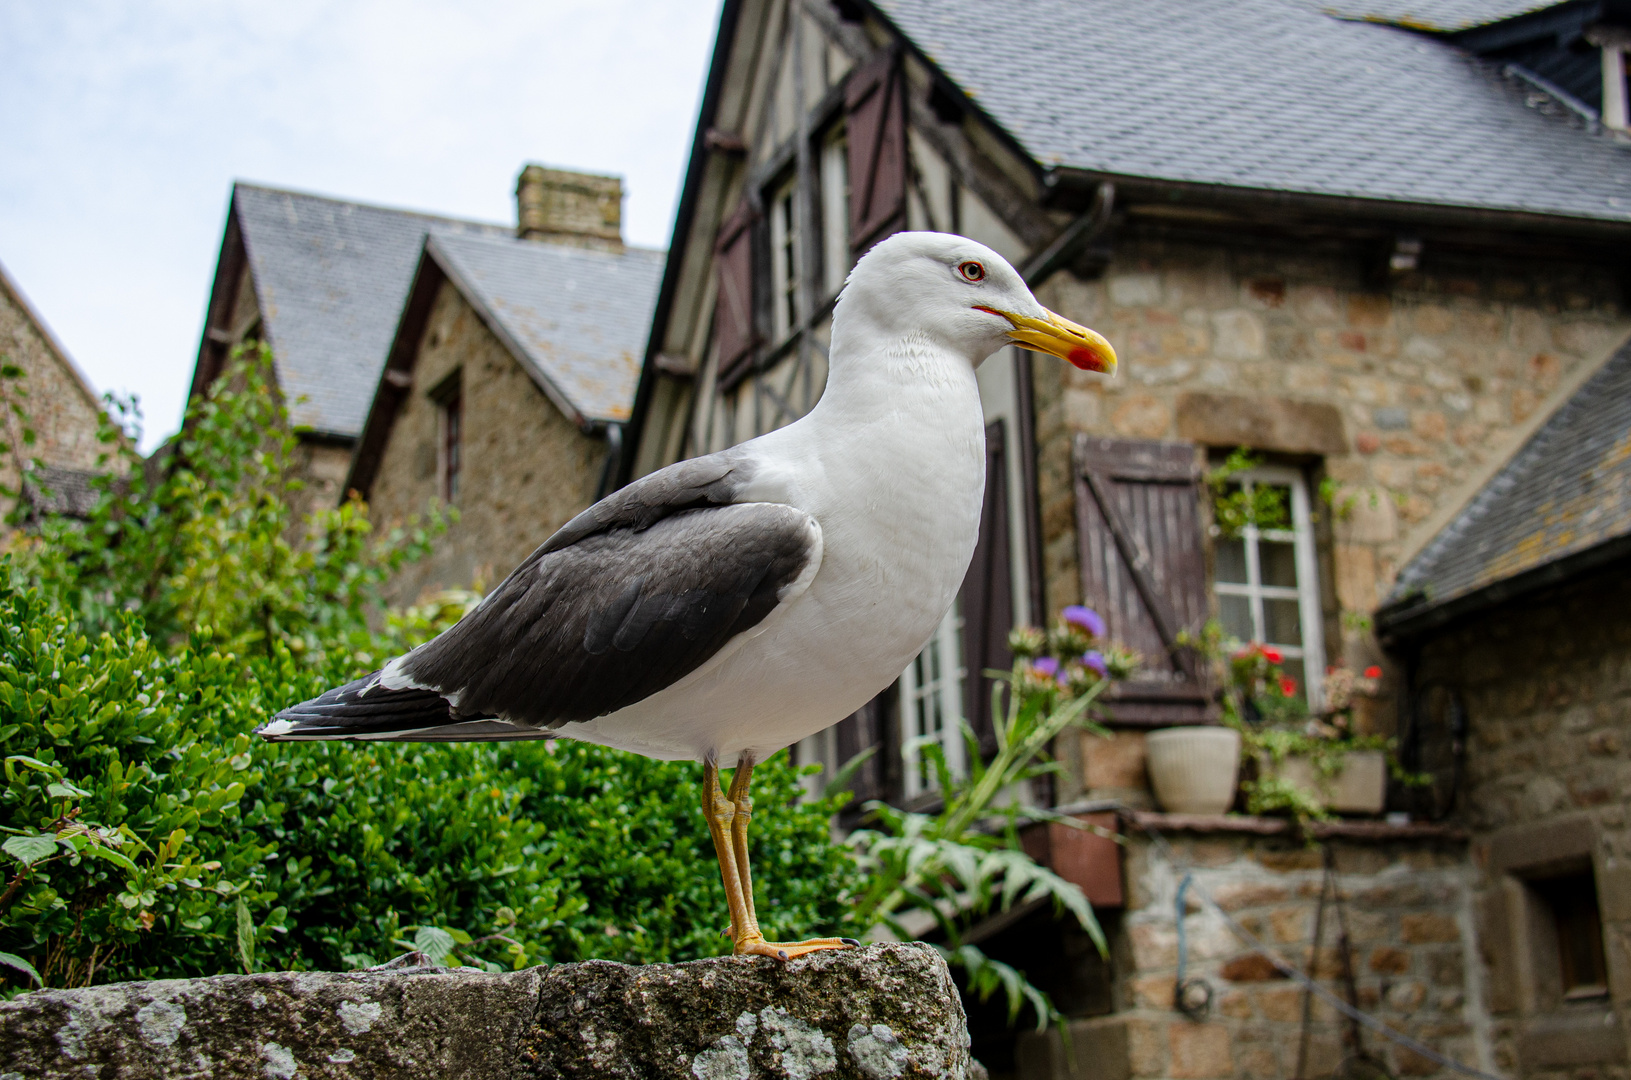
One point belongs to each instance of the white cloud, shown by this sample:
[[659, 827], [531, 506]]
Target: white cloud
[[126, 124]]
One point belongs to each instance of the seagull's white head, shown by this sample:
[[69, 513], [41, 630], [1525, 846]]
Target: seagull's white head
[[964, 297]]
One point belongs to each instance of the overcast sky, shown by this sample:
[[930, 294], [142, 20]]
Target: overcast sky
[[122, 127]]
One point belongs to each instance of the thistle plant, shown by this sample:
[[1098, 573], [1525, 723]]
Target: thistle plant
[[947, 871]]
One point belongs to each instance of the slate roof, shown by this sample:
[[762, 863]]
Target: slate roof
[[330, 277], [1266, 95], [1567, 491], [578, 318]]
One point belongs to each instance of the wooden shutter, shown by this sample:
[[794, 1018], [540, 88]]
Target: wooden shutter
[[988, 594], [1138, 526], [734, 326], [875, 97]]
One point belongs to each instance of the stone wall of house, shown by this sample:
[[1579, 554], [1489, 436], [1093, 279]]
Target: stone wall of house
[[1404, 393], [526, 468], [62, 409], [1408, 909], [1547, 689]]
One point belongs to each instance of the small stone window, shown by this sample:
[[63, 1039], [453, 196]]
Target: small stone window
[[1571, 902], [1267, 582], [449, 398], [931, 708]]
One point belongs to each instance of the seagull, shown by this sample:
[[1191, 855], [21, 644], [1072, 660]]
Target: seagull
[[729, 605]]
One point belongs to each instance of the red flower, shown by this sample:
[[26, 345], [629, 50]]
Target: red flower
[[1373, 672], [1273, 655], [1288, 685]]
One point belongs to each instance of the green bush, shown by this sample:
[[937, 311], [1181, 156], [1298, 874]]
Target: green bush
[[147, 835]]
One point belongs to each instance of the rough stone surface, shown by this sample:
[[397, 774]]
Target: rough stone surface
[[887, 1012], [459, 1025]]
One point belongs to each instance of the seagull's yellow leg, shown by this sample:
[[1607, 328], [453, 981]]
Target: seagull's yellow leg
[[720, 813], [749, 941]]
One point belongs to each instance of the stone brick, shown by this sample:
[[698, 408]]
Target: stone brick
[[1252, 967], [1258, 1063], [1145, 1048], [1282, 1003], [1199, 1051], [1153, 992], [1236, 1004], [1154, 946], [1141, 416], [1114, 763], [1418, 928], [1295, 859], [1238, 335], [1366, 310], [1247, 894], [1267, 423], [1406, 997], [1389, 961], [1289, 924]]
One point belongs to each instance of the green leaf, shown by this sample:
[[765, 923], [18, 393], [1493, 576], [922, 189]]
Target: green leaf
[[65, 790], [29, 850], [246, 937], [434, 942], [13, 960], [106, 854]]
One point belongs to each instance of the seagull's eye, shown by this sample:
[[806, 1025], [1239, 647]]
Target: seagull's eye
[[972, 271]]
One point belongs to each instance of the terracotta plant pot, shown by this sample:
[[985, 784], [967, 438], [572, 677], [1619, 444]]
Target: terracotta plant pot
[[1193, 769], [1359, 787]]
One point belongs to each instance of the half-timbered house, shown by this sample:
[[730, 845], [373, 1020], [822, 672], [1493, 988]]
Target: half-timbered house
[[1376, 245]]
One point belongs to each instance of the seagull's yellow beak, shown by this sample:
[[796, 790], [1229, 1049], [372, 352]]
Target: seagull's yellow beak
[[1058, 336]]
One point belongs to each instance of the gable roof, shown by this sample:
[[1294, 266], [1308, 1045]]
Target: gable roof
[[576, 320], [330, 277], [1266, 95], [1562, 503]]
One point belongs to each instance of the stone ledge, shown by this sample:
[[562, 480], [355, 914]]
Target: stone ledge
[[1149, 821], [885, 1012]]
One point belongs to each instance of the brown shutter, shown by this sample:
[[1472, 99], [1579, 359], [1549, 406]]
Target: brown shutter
[[988, 594], [733, 311], [875, 97], [1139, 538]]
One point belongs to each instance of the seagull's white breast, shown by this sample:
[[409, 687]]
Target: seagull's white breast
[[891, 464]]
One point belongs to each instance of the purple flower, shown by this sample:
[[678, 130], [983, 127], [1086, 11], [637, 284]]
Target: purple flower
[[1086, 618], [1093, 659], [1045, 665]]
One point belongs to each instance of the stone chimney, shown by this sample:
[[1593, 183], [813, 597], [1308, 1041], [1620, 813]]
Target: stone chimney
[[562, 207]]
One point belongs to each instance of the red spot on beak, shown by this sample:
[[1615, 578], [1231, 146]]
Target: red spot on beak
[[1086, 359]]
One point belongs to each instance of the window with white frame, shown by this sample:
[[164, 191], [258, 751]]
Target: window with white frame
[[1268, 582], [835, 253], [784, 261], [931, 708]]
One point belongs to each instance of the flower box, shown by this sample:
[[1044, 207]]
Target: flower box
[[1358, 787]]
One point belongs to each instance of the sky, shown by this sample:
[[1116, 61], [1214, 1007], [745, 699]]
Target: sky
[[122, 127]]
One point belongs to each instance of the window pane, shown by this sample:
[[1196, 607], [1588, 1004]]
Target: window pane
[[1232, 561], [1277, 563], [1282, 623], [1236, 614]]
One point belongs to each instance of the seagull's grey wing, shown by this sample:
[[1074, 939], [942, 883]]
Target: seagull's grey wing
[[597, 625], [627, 598]]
